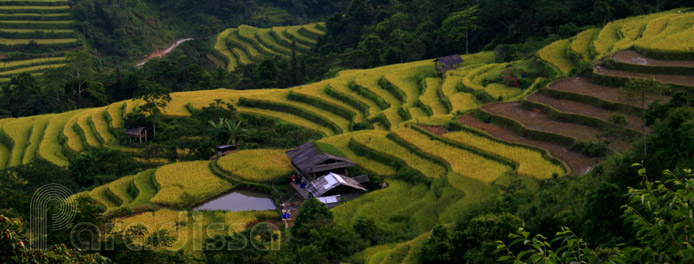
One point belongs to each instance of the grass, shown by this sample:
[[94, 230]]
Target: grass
[[377, 140], [259, 165], [115, 111], [31, 69], [555, 54], [341, 142], [83, 121], [431, 97], [120, 189], [192, 228], [74, 141], [531, 162], [146, 187], [186, 183], [37, 132], [221, 46], [461, 161], [402, 208], [11, 64], [19, 131], [51, 149], [581, 45], [497, 90]]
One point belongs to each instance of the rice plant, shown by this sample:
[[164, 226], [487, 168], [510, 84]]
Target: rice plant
[[37, 131], [341, 142], [377, 141], [187, 183], [461, 161], [581, 45], [260, 165], [555, 54], [50, 148]]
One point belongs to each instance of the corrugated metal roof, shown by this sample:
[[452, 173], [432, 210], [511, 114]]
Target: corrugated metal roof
[[135, 131], [330, 199], [331, 181]]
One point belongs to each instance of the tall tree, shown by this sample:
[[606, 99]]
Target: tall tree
[[459, 25], [640, 91], [156, 97]]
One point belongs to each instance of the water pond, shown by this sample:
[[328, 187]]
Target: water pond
[[240, 200]]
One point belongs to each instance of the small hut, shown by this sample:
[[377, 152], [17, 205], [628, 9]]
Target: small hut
[[332, 189], [310, 162], [445, 64], [137, 133], [226, 149]]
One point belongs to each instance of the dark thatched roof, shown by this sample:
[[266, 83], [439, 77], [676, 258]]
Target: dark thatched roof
[[451, 60], [134, 131], [308, 159]]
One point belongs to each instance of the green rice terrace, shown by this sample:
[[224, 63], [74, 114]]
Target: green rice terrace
[[480, 124], [246, 44], [34, 35]]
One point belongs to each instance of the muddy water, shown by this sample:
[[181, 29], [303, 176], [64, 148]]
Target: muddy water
[[240, 201]]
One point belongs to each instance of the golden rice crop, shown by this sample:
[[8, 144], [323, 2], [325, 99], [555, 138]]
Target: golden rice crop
[[50, 149], [191, 229], [243, 45], [653, 30], [249, 32], [284, 38], [200, 99], [607, 38], [374, 254], [341, 142], [74, 141], [144, 182], [34, 7], [4, 155], [101, 126], [192, 178], [294, 31], [679, 42], [380, 204], [30, 30], [37, 132], [30, 69], [497, 90], [431, 96], [132, 105], [29, 62], [259, 165], [531, 162], [241, 56], [581, 45], [281, 97], [462, 162], [377, 141], [289, 118], [18, 130], [89, 133], [99, 195], [38, 41], [221, 46], [555, 54], [479, 58], [314, 29], [474, 77], [406, 79], [318, 90], [115, 111], [120, 188]]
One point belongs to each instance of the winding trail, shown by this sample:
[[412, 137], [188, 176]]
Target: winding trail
[[160, 53]]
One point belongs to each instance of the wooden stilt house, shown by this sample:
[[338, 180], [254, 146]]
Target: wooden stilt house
[[445, 64]]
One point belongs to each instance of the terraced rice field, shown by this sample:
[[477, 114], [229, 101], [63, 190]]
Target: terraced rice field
[[247, 44], [341, 142], [44, 23], [581, 44], [555, 54], [184, 182], [189, 227], [259, 165], [462, 162]]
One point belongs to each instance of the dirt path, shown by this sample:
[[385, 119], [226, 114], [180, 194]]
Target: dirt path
[[682, 80], [578, 163], [573, 107], [580, 85], [632, 57], [161, 53], [536, 120]]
